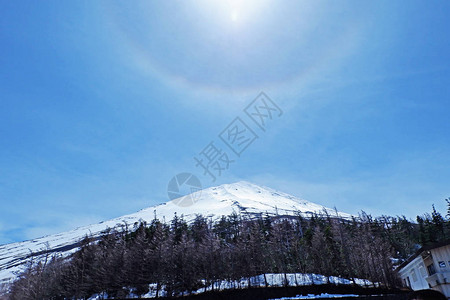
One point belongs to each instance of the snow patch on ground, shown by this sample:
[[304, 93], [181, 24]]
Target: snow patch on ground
[[311, 296], [273, 280]]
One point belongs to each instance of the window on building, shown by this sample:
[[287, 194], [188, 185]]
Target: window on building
[[422, 271], [413, 275], [408, 281], [431, 269], [442, 264]]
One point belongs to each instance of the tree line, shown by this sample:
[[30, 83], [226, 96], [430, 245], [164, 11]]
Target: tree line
[[182, 257]]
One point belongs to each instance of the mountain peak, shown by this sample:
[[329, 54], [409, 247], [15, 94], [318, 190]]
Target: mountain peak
[[239, 197]]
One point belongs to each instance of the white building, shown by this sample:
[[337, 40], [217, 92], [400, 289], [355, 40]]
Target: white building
[[428, 268]]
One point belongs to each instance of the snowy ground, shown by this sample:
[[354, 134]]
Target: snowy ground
[[321, 296], [273, 280]]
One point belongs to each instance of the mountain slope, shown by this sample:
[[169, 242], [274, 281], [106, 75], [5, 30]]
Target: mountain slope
[[240, 197]]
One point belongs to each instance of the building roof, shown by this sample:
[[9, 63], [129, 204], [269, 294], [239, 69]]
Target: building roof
[[423, 249]]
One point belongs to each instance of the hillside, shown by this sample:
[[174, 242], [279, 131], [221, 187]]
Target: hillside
[[214, 202]]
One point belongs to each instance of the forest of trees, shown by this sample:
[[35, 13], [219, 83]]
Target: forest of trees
[[182, 257]]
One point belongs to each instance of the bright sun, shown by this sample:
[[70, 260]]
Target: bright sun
[[236, 11], [234, 16]]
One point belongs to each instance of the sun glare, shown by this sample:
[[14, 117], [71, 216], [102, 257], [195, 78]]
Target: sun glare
[[236, 11], [234, 16]]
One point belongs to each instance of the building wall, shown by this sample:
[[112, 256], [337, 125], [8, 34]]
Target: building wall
[[427, 271], [441, 261], [416, 272]]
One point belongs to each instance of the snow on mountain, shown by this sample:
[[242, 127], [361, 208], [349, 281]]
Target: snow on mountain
[[240, 197]]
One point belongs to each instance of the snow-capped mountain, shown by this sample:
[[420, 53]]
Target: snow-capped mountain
[[240, 197]]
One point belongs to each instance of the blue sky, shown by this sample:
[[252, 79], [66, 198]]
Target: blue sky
[[102, 103]]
